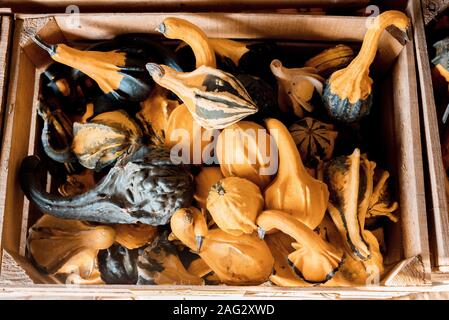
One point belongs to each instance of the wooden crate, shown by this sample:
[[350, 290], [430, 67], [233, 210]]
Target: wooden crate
[[438, 208], [5, 45], [408, 255]]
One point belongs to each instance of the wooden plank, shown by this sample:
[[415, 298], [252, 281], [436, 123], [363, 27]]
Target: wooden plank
[[432, 8], [438, 208], [5, 45]]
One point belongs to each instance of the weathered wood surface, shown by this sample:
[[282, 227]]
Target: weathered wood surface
[[432, 8]]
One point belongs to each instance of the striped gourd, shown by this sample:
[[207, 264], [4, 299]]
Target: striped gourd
[[313, 139], [215, 99]]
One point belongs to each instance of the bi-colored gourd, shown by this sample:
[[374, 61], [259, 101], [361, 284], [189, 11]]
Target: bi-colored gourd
[[441, 60], [314, 260], [118, 73], [331, 60], [176, 28], [297, 87], [350, 182], [66, 246], [245, 150], [215, 99], [159, 263], [145, 186], [313, 139], [107, 137], [236, 260], [234, 204], [207, 177], [133, 236], [184, 136], [348, 92], [294, 190]]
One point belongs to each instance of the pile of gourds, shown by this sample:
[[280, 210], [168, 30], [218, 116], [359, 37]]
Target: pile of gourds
[[263, 188]]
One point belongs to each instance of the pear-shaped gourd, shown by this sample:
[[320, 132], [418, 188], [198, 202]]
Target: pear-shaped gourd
[[215, 99], [176, 28], [234, 204], [297, 87], [245, 150], [236, 260], [294, 190], [314, 260], [348, 92], [118, 73], [65, 246]]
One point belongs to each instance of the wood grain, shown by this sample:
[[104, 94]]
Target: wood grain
[[5, 44]]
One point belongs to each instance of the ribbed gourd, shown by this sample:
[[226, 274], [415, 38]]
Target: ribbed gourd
[[331, 60], [176, 28], [105, 138], [236, 260], [234, 204], [215, 98], [145, 186], [348, 93], [294, 190], [245, 150], [297, 87], [67, 246], [118, 73], [314, 139], [314, 260]]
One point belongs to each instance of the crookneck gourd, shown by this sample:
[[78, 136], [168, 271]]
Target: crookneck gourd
[[236, 260], [186, 138], [294, 190], [314, 260], [331, 60], [133, 236], [313, 139], [207, 177], [57, 135], [215, 99], [253, 58], [297, 87], [66, 246], [245, 150], [159, 263], [143, 187], [155, 112], [350, 182], [441, 60], [118, 73], [176, 28], [105, 138], [234, 204], [348, 92]]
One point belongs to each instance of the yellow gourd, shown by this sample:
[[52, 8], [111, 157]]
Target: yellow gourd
[[294, 190]]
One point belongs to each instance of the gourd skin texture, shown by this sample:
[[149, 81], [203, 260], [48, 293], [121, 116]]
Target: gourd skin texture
[[314, 139], [143, 187], [62, 246], [133, 236], [118, 265], [331, 60], [294, 190], [348, 92], [237, 260], [314, 260], [114, 71], [175, 28], [107, 137], [159, 264], [243, 150], [215, 98], [349, 179], [207, 177], [234, 204], [185, 133]]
